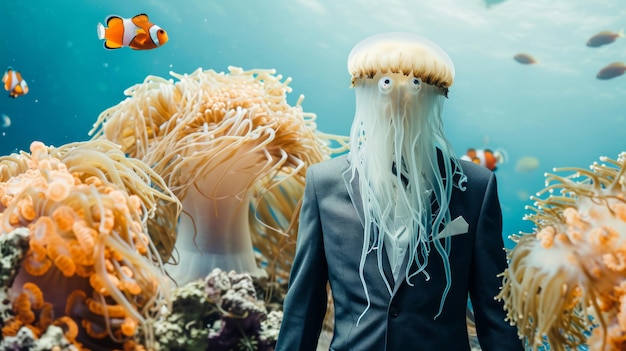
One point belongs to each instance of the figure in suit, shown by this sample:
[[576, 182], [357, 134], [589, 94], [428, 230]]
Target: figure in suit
[[402, 229]]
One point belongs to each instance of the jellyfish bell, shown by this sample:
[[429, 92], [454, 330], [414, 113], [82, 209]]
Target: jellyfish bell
[[401, 81], [404, 55]]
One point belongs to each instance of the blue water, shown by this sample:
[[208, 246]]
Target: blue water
[[555, 110]]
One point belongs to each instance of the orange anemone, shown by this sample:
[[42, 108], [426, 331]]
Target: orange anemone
[[83, 239]]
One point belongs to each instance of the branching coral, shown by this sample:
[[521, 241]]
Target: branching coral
[[569, 276], [52, 339], [220, 312], [228, 145], [13, 248], [86, 208]]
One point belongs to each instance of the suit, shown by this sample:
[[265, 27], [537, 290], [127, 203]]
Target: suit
[[328, 249]]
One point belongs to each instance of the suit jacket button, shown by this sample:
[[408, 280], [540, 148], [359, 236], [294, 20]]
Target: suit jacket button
[[393, 312]]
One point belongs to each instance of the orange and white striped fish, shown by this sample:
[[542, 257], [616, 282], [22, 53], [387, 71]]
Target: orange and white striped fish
[[137, 33], [485, 157], [14, 83]]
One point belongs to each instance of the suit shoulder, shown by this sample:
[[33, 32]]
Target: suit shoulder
[[328, 170], [338, 163], [475, 171], [479, 178]]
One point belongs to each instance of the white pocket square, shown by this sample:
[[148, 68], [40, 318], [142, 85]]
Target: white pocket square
[[455, 227]]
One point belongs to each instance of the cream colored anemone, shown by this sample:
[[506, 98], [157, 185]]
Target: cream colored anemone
[[569, 275], [235, 153], [86, 206]]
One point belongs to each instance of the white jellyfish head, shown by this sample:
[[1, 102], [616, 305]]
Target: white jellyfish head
[[401, 81], [403, 55]]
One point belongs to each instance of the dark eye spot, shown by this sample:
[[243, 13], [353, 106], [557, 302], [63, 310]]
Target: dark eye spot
[[384, 85]]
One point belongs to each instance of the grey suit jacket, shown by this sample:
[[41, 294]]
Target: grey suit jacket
[[328, 249]]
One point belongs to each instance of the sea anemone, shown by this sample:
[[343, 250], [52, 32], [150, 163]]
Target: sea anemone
[[235, 153], [90, 266], [566, 282]]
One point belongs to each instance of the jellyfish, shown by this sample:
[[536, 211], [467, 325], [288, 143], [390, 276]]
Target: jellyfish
[[89, 265], [235, 153], [566, 281], [401, 81]]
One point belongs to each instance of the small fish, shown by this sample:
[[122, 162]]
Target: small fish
[[613, 70], [603, 38], [525, 59], [485, 157], [14, 83], [137, 33]]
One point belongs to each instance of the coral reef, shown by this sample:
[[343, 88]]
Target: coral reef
[[228, 151], [566, 283], [220, 312]]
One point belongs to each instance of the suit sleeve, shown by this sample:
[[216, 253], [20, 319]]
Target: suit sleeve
[[304, 306], [494, 333]]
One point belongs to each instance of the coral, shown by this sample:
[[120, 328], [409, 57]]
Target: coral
[[270, 327], [566, 282], [24, 339], [220, 312], [13, 248], [52, 339]]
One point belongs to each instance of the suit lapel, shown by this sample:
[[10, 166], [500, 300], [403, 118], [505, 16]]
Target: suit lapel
[[352, 186]]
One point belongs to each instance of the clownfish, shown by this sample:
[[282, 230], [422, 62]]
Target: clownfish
[[137, 33], [14, 83], [485, 157]]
